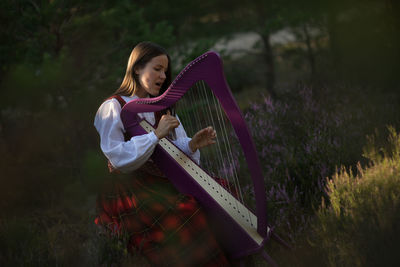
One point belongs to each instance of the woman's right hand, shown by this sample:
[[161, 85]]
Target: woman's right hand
[[165, 125]]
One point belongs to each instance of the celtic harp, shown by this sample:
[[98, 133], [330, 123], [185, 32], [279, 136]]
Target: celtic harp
[[241, 230]]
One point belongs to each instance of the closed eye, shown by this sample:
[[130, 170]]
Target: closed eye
[[159, 68]]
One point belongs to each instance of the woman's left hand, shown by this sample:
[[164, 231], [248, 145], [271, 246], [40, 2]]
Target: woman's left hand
[[203, 138]]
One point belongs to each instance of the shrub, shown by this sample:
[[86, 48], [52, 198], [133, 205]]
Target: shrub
[[361, 224], [300, 143]]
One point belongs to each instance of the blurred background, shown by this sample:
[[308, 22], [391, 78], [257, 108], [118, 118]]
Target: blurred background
[[317, 81]]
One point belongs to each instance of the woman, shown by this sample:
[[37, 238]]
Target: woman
[[168, 228]]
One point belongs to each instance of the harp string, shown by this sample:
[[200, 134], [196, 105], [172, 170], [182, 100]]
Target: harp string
[[204, 117], [232, 163], [228, 167], [199, 108], [192, 110], [210, 158], [216, 150], [210, 121]]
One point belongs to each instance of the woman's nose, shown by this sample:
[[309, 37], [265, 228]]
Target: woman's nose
[[163, 76]]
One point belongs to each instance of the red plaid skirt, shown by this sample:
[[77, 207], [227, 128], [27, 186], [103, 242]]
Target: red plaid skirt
[[168, 228]]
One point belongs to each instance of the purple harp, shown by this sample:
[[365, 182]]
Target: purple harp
[[240, 231]]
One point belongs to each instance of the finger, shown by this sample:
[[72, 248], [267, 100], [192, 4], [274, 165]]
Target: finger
[[212, 134], [170, 118], [202, 131], [165, 117], [175, 124], [174, 120]]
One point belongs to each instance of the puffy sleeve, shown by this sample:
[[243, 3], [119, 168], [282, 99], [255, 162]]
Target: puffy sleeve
[[182, 141], [125, 156]]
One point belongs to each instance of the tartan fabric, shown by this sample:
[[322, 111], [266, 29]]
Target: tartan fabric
[[149, 167], [168, 228]]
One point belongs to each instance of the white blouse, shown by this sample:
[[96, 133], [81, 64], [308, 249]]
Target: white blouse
[[128, 156]]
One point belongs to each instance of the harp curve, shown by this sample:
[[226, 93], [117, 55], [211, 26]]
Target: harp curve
[[247, 238]]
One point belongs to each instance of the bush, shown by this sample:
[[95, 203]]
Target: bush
[[303, 136], [361, 225], [300, 143]]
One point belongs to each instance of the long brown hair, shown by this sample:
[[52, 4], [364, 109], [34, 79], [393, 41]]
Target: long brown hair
[[141, 54]]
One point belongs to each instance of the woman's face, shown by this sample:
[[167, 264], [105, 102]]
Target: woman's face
[[152, 76]]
